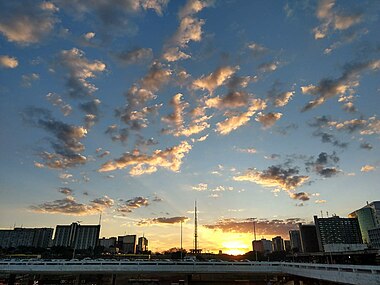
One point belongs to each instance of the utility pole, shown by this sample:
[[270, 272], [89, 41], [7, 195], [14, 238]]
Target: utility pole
[[254, 233], [181, 240], [195, 229]]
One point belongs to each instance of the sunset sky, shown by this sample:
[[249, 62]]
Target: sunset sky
[[262, 111]]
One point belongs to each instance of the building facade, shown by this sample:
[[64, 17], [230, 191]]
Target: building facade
[[263, 245], [309, 239], [278, 244], [127, 244], [77, 236], [28, 237], [374, 237], [295, 241], [142, 245], [336, 230]]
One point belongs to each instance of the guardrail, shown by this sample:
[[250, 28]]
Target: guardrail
[[348, 274]]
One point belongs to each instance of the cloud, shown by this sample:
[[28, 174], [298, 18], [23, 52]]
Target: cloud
[[233, 99], [257, 49], [373, 127], [333, 19], [56, 100], [236, 121], [263, 227], [329, 138], [170, 158], [65, 142], [246, 150], [214, 79], [328, 88], [134, 56], [114, 17], [350, 126], [275, 176], [303, 196], [279, 98], [200, 187], [131, 204], [162, 220], [269, 66], [324, 165], [66, 191], [320, 201], [79, 69], [27, 79], [366, 145], [174, 54], [7, 61], [91, 109], [268, 120], [26, 22], [367, 168], [68, 206], [194, 6]]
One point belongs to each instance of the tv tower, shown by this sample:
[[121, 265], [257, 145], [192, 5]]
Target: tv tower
[[195, 229]]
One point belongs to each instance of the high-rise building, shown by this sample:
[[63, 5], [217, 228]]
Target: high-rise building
[[278, 244], [374, 237], [309, 239], [127, 244], [295, 241], [287, 245], [77, 236], [368, 217], [29, 237], [142, 245], [263, 245], [336, 230]]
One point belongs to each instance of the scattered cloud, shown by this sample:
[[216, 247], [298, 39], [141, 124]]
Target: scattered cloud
[[333, 19], [27, 22], [56, 100], [246, 150], [170, 158], [366, 145], [200, 187], [269, 66], [7, 61], [163, 220], [367, 168], [269, 119], [134, 56], [324, 165], [214, 79], [303, 196], [263, 227], [257, 49], [328, 88], [131, 204], [275, 176], [27, 79]]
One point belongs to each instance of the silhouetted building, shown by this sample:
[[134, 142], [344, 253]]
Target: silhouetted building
[[127, 244], [309, 240], [77, 236], [263, 245], [109, 244], [336, 230], [295, 241], [142, 245], [278, 244], [374, 237], [287, 245], [28, 237]]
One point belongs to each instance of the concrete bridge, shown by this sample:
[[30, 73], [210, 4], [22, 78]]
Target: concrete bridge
[[346, 274]]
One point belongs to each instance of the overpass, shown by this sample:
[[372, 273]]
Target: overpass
[[346, 274]]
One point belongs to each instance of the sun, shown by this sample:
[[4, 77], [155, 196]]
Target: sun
[[234, 247]]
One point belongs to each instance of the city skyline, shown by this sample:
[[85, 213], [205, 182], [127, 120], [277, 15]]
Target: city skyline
[[259, 111]]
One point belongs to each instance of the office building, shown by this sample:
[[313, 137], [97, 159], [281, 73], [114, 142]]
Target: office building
[[142, 245], [107, 242], [278, 244], [263, 246], [127, 244], [309, 239], [287, 245], [28, 237], [77, 236], [374, 237], [295, 241], [336, 230], [368, 218]]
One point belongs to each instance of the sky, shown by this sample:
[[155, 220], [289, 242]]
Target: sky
[[263, 112]]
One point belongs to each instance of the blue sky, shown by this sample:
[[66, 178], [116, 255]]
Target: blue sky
[[259, 110]]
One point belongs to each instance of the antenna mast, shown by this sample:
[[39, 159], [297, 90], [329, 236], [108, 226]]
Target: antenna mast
[[195, 230]]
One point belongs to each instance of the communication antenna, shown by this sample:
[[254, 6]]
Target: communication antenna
[[195, 229], [100, 218], [322, 214]]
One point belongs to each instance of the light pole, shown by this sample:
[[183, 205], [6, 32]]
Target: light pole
[[181, 240]]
